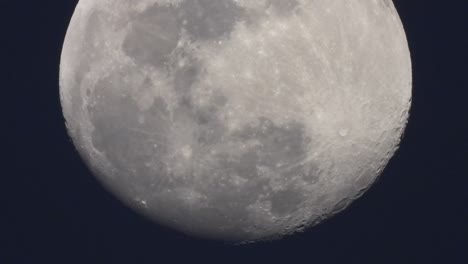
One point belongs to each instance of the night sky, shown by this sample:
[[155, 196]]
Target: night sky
[[57, 212]]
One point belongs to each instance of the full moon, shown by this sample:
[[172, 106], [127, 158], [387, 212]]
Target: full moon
[[236, 120]]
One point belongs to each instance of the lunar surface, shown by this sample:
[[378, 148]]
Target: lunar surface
[[236, 120]]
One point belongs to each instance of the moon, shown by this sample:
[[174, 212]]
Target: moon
[[236, 120]]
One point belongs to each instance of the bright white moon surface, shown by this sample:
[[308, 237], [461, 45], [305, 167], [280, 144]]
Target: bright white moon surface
[[236, 120]]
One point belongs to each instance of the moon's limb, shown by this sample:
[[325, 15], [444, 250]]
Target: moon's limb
[[234, 119]]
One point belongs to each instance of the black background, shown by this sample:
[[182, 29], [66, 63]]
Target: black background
[[56, 212]]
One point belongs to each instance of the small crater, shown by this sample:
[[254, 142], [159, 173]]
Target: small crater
[[343, 132]]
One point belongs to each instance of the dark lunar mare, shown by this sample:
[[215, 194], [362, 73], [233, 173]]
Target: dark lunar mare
[[211, 194], [155, 32], [283, 7], [207, 19], [144, 170], [153, 36], [129, 144]]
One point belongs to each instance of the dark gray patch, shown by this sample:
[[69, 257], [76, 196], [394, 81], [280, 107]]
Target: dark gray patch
[[127, 143], [208, 135], [153, 36], [204, 116], [185, 76], [219, 100], [209, 129], [208, 19], [223, 217], [283, 7], [231, 201], [280, 148], [218, 223], [286, 201], [155, 32], [278, 144], [244, 166], [310, 174]]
